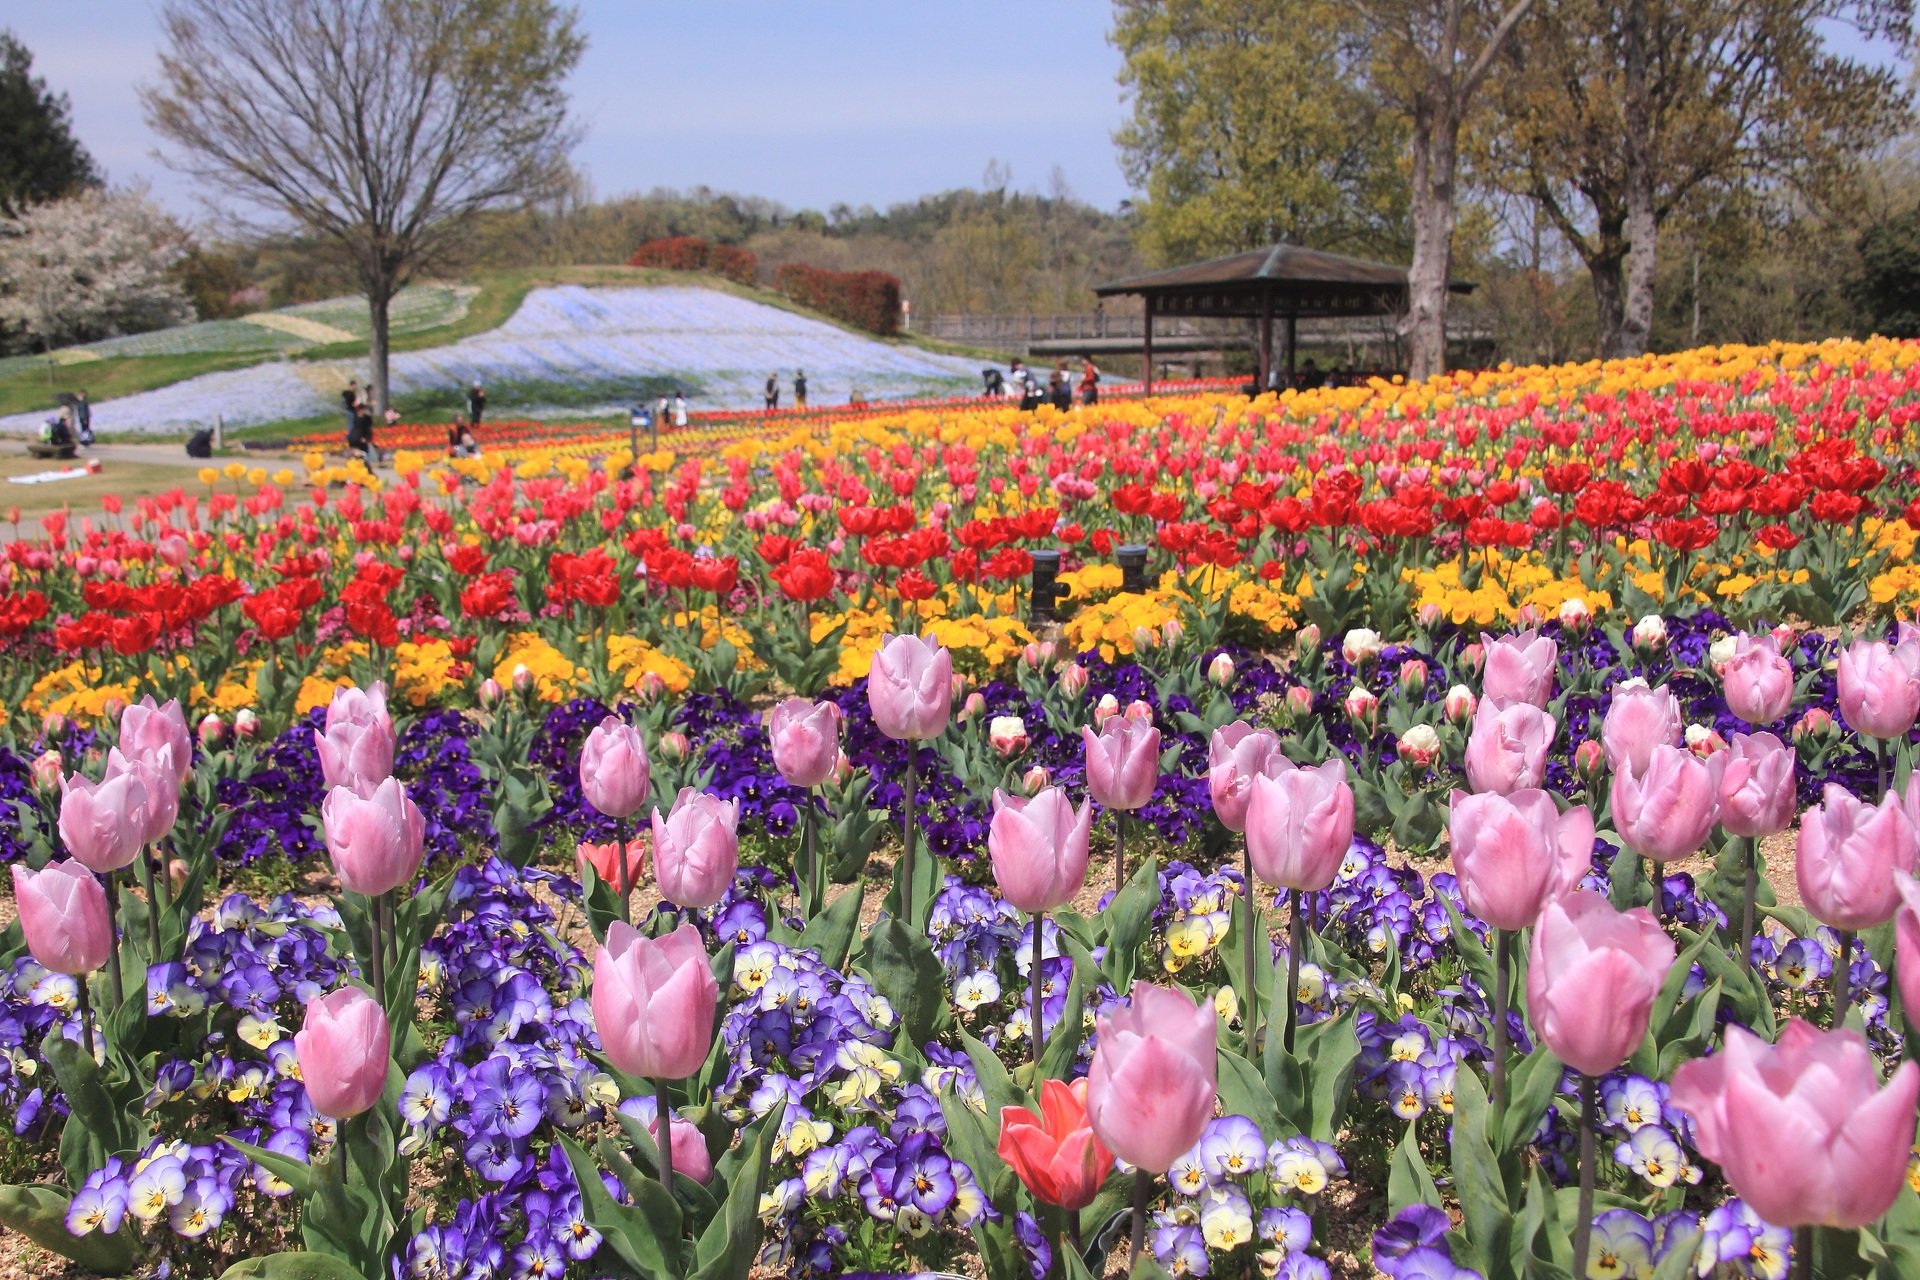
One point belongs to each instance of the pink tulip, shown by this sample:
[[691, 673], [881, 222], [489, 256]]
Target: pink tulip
[[1300, 824], [1514, 854], [1666, 810], [158, 780], [356, 746], [63, 913], [1756, 790], [360, 706], [1846, 856], [1123, 762], [696, 848], [1592, 976], [910, 688], [103, 824], [1237, 754], [1520, 668], [806, 740], [344, 1049], [1039, 848], [1802, 1129], [1507, 750], [1638, 720], [615, 775], [375, 841], [145, 728], [1906, 943], [653, 1002], [690, 1156], [1757, 679], [1151, 1089], [1880, 687]]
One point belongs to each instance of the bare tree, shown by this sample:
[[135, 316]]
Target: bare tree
[[1431, 58], [383, 126]]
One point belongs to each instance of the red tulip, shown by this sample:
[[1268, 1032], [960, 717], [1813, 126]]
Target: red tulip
[[1056, 1153]]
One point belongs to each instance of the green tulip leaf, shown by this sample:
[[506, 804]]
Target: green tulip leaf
[[40, 1214]]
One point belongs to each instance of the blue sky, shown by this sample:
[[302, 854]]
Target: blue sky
[[808, 102]]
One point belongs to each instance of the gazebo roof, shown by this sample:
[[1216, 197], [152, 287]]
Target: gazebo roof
[[1289, 279]]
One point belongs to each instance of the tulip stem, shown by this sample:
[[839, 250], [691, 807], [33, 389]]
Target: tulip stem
[[86, 1013], [1583, 1219], [1249, 994], [1843, 979], [116, 983], [816, 883], [1803, 1253], [1746, 905], [1142, 1192], [626, 876], [1119, 850], [906, 839], [663, 1131], [1296, 942], [1499, 1037], [1039, 983], [145, 865], [376, 953]]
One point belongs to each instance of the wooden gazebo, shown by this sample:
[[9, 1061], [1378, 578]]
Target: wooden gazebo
[[1283, 282]]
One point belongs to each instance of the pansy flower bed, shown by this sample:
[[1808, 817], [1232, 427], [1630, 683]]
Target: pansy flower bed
[[1451, 830]]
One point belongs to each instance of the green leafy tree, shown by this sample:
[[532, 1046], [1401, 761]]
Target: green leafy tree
[[1887, 287], [40, 159], [1252, 124], [384, 128]]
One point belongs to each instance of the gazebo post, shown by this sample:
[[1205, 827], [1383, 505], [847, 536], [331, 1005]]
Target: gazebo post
[[1266, 340], [1146, 345], [1293, 335]]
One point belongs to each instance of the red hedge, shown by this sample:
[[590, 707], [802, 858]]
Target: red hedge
[[867, 299], [691, 253]]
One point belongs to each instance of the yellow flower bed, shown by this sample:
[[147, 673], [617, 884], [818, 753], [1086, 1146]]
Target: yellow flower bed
[[554, 674], [635, 658], [72, 691]]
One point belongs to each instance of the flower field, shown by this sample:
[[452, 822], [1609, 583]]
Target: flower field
[[1462, 829]]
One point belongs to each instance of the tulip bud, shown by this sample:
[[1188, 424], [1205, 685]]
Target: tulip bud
[[1719, 652], [842, 770], [1144, 639], [1474, 658], [111, 710], [245, 723], [1703, 741], [1299, 702], [1362, 707], [491, 691], [1429, 616], [1817, 724], [975, 705], [1460, 705], [1527, 616], [1575, 616], [522, 678], [674, 745], [1786, 637], [1590, 760], [1419, 746], [958, 683], [1650, 634], [1008, 735], [53, 724], [212, 730], [1035, 780], [1073, 679], [177, 872], [1172, 632], [1413, 677], [47, 770], [1306, 640], [1107, 707], [1220, 672], [1360, 647], [1138, 710], [652, 687]]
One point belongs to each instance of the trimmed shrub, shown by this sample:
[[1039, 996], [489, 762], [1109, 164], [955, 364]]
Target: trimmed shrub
[[691, 253], [869, 300]]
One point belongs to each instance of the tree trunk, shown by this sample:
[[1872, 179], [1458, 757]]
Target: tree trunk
[[1435, 142], [379, 298], [1606, 271], [1636, 325]]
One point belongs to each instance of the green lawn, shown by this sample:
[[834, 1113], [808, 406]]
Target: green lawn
[[28, 390]]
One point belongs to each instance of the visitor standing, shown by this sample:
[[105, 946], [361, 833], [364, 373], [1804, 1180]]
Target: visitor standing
[[350, 400], [1060, 387], [799, 388], [680, 410], [773, 392], [83, 418], [1090, 383], [392, 418], [476, 403], [363, 424]]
